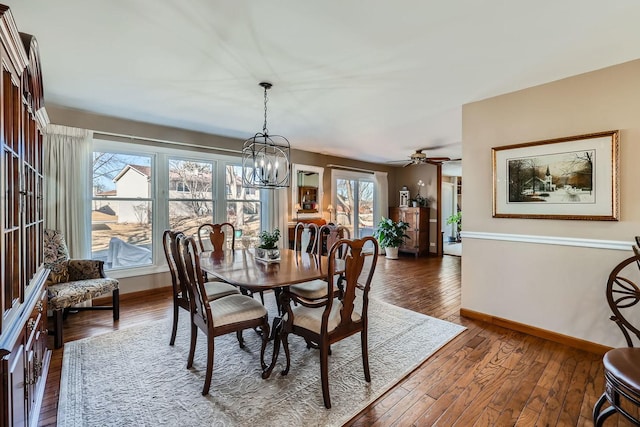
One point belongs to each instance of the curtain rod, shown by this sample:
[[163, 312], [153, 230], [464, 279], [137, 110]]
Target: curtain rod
[[162, 141], [349, 168]]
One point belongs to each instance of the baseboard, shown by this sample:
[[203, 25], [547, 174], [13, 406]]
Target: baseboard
[[537, 332]]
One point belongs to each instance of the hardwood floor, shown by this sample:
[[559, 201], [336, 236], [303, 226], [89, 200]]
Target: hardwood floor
[[486, 376]]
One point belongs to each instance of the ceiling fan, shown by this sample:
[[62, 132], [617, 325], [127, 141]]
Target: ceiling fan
[[420, 158]]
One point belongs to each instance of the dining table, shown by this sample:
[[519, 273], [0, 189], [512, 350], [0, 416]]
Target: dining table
[[241, 267]]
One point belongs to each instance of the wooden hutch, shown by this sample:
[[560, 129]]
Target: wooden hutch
[[24, 356]]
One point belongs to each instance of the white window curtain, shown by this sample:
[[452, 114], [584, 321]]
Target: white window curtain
[[381, 202], [67, 155], [277, 214]]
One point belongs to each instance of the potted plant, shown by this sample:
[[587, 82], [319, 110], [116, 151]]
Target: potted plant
[[391, 235], [456, 219], [268, 248]]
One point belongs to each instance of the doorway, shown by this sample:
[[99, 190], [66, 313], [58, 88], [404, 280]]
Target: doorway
[[450, 205]]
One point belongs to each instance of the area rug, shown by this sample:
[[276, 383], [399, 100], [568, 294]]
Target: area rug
[[132, 377]]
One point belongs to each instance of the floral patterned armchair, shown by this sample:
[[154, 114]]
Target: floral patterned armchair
[[72, 282]]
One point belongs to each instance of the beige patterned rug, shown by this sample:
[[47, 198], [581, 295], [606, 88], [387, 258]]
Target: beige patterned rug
[[132, 377]]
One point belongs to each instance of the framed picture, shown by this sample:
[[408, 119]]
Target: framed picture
[[566, 178]]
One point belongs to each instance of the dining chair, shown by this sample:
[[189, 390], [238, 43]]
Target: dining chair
[[232, 313], [213, 289], [306, 237], [327, 235], [622, 365], [215, 238], [330, 320], [73, 281]]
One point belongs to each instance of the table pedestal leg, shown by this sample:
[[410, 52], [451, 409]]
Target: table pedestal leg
[[275, 335]]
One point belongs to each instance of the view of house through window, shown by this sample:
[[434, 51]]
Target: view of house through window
[[122, 208], [138, 196]]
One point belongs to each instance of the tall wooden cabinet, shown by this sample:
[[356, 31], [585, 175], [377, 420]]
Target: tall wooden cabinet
[[418, 231], [24, 356]]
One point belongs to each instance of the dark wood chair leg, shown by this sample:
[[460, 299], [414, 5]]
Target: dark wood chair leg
[[365, 355], [324, 374], [57, 325], [116, 304], [192, 345], [265, 339], [207, 378], [240, 339], [174, 328]]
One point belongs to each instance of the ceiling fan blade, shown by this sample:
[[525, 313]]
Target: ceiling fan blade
[[437, 147]]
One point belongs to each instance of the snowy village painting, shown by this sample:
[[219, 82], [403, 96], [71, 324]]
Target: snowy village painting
[[566, 178]]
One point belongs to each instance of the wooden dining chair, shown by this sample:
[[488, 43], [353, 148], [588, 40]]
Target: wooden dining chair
[[622, 365], [215, 238], [329, 234], [213, 289], [330, 320], [233, 313], [306, 237]]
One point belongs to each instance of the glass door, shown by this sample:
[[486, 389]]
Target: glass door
[[354, 203]]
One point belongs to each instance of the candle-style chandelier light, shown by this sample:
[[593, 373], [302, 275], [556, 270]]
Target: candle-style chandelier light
[[265, 158]]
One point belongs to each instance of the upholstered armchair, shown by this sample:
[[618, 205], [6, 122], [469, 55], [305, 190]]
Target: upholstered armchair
[[73, 282]]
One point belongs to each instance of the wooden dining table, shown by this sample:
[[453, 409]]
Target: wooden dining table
[[241, 268]]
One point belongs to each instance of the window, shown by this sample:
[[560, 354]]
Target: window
[[122, 208], [353, 198], [192, 203], [242, 204], [139, 191]]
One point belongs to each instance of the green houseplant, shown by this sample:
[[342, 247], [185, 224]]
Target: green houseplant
[[268, 248], [456, 219], [391, 235]]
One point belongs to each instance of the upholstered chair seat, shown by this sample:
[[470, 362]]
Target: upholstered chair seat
[[219, 289], [68, 294], [235, 309]]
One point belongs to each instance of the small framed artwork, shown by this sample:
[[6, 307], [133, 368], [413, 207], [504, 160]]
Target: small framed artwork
[[566, 178], [404, 199]]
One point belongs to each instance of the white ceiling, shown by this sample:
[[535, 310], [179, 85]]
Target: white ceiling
[[366, 79]]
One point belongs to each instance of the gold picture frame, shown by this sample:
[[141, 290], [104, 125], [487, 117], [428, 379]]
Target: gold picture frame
[[574, 177]]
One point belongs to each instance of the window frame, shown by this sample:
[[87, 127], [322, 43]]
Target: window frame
[[160, 193], [357, 177]]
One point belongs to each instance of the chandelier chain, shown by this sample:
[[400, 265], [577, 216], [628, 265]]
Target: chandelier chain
[[264, 127]]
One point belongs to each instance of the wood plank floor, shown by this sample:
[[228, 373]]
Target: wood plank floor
[[487, 376]]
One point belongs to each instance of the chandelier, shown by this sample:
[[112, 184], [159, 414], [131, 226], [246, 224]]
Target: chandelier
[[265, 158]]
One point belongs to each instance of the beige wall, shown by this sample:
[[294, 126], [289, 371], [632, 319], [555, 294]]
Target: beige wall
[[559, 288]]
